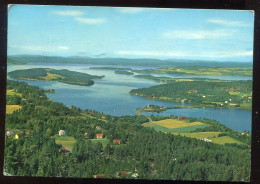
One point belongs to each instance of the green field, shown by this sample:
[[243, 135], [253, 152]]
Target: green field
[[225, 139], [199, 135], [166, 125], [65, 141], [189, 129], [11, 92]]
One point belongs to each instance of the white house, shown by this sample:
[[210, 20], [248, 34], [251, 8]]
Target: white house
[[62, 132], [10, 133]]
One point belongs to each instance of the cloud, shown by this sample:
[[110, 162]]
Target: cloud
[[227, 23], [38, 48], [90, 20], [199, 34], [69, 13], [63, 47], [231, 54], [130, 10], [30, 48]]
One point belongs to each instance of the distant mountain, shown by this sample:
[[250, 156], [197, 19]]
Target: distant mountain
[[21, 59]]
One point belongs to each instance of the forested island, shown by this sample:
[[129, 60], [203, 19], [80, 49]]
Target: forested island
[[48, 74], [97, 145], [206, 93], [123, 72]]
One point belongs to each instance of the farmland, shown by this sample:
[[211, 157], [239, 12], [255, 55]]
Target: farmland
[[173, 123], [225, 139], [11, 108]]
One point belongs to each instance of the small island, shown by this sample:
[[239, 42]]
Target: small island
[[124, 72], [48, 74]]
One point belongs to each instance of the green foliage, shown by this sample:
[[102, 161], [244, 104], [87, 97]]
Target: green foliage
[[66, 76], [150, 154], [197, 92]]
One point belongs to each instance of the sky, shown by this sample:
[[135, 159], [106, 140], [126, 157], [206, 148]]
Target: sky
[[114, 32]]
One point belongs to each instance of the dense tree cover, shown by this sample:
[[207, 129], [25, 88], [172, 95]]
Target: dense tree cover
[[143, 152], [66, 76], [199, 92]]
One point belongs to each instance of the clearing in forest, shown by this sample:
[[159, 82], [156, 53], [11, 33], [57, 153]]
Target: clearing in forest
[[65, 141]]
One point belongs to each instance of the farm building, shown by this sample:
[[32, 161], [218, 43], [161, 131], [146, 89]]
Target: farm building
[[206, 140], [116, 141], [123, 172], [234, 104], [62, 132], [182, 117], [17, 136], [10, 133], [99, 136], [63, 150], [98, 176]]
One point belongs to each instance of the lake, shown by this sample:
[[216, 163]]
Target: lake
[[110, 95]]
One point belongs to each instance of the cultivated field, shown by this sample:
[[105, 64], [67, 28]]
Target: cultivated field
[[199, 135], [225, 139], [173, 123], [11, 108]]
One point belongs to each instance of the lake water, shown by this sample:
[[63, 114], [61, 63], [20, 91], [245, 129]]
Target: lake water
[[110, 95]]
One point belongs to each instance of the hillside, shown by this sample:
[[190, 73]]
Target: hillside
[[213, 93], [142, 152]]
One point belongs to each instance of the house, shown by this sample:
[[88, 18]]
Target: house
[[86, 133], [234, 104], [182, 117], [17, 136], [98, 176], [10, 133], [116, 141], [63, 150], [206, 140], [123, 172], [244, 133], [62, 132], [99, 136]]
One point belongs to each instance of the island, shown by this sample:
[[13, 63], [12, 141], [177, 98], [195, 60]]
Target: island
[[205, 93], [48, 74], [122, 72]]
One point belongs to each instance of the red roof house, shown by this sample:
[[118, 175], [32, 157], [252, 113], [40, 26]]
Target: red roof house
[[116, 141], [182, 117], [99, 136], [98, 176]]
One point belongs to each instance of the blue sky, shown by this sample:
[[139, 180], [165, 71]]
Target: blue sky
[[215, 35]]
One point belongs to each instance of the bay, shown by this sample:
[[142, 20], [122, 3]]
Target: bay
[[110, 95]]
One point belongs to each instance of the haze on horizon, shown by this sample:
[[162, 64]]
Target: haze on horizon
[[110, 32]]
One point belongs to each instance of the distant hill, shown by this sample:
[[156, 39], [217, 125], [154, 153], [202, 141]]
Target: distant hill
[[22, 59]]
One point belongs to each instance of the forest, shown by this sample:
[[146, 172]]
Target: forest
[[142, 152], [207, 93], [65, 76]]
